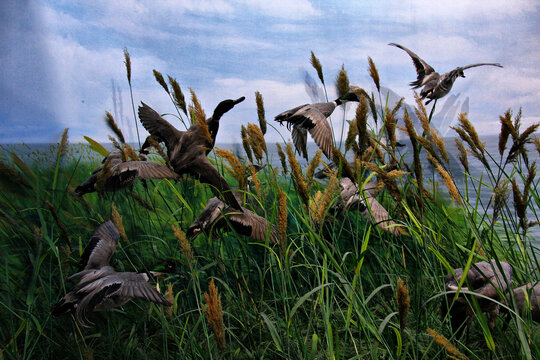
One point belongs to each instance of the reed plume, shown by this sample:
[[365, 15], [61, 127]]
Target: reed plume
[[537, 144], [462, 154], [404, 303], [130, 153], [245, 143], [327, 196], [500, 194], [342, 163], [439, 144], [117, 220], [449, 182], [312, 166], [342, 82], [389, 179], [62, 149], [256, 181], [214, 314], [282, 221], [416, 151], [161, 81], [506, 128], [466, 125], [352, 133], [282, 158], [520, 204], [374, 73], [177, 94], [260, 111], [23, 167], [390, 126], [185, 246], [257, 142], [314, 209], [127, 62], [237, 170], [373, 108], [421, 113], [298, 179], [445, 343], [317, 66], [199, 117], [361, 118], [141, 201], [518, 148]]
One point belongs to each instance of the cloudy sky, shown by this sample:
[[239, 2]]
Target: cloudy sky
[[61, 59]]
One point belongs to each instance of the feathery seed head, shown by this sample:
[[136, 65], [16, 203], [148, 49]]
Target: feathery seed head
[[117, 220], [260, 111], [214, 314], [127, 62], [282, 221], [374, 73], [177, 94], [342, 82], [317, 66], [282, 158], [161, 80], [185, 246], [245, 143], [404, 302]]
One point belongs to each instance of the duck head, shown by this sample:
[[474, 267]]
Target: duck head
[[225, 106]]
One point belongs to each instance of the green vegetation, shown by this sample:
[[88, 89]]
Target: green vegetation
[[328, 291]]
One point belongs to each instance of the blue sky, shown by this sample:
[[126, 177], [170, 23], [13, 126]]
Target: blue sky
[[60, 59]]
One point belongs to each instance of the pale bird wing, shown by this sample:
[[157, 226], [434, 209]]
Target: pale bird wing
[[101, 247]]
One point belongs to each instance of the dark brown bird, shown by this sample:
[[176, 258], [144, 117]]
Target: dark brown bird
[[483, 278], [218, 215], [100, 287], [312, 118], [368, 206], [115, 173], [435, 86], [187, 150]]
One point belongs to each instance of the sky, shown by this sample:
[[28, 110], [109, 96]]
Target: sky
[[63, 65]]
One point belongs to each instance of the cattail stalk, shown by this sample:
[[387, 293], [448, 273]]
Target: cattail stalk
[[404, 303]]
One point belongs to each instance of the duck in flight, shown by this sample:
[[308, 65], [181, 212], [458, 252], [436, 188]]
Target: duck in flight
[[187, 150], [100, 287], [119, 174], [435, 86], [312, 118]]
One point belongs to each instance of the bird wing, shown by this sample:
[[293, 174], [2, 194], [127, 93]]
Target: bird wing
[[378, 215], [479, 64], [255, 226], [101, 247], [157, 126], [136, 285], [299, 136], [422, 67], [146, 170], [207, 173], [311, 118], [284, 116]]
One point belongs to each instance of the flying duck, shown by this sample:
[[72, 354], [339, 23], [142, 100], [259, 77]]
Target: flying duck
[[375, 213], [435, 86], [120, 174], [312, 118], [218, 215], [187, 150], [100, 287]]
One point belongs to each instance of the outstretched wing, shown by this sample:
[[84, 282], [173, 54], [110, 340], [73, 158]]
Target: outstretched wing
[[255, 226], [146, 170], [136, 286], [312, 119], [101, 247], [479, 64], [422, 67], [207, 173], [157, 126], [299, 137]]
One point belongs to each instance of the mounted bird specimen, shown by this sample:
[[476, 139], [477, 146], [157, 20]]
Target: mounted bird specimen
[[116, 173], [100, 287], [312, 118], [187, 150], [435, 86]]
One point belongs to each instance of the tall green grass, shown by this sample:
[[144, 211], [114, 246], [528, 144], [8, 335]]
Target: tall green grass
[[331, 294]]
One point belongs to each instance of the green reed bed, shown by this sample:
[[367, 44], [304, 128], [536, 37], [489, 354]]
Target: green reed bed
[[329, 289]]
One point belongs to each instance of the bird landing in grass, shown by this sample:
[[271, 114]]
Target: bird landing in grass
[[187, 150], [435, 86], [312, 118], [100, 287]]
